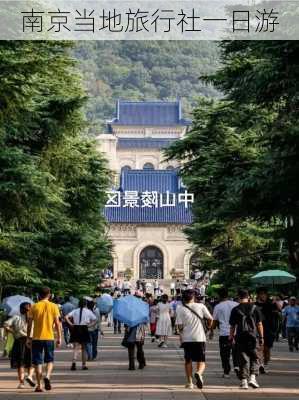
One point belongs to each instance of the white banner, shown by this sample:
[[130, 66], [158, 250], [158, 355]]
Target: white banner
[[149, 20]]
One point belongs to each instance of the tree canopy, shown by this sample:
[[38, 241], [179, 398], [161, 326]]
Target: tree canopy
[[241, 161], [52, 178]]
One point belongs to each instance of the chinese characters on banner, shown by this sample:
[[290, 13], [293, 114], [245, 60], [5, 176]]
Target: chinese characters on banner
[[138, 20], [266, 21], [134, 199]]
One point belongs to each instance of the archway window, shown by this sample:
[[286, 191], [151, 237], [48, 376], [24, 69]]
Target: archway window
[[151, 263], [125, 168], [148, 166], [170, 168]]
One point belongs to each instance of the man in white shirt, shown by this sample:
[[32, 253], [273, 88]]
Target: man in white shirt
[[197, 275], [190, 321], [148, 287], [221, 316], [126, 287], [172, 288]]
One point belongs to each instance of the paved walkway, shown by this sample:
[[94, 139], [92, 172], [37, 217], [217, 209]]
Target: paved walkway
[[162, 379]]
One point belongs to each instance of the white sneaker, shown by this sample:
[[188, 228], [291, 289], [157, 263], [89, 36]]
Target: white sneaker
[[21, 386], [226, 376], [189, 386], [252, 382], [199, 380], [244, 384], [164, 345]]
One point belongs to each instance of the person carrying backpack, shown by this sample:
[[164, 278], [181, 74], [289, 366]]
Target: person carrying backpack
[[245, 325]]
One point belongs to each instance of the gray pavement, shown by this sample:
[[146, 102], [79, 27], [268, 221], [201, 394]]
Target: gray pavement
[[162, 379]]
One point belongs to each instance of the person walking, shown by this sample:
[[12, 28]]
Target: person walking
[[116, 326], [79, 321], [134, 338], [172, 288], [197, 275], [245, 324], [66, 308], [42, 317], [116, 323], [109, 319], [291, 315], [94, 330], [270, 312], [153, 312], [126, 287], [163, 329], [156, 288], [148, 287], [178, 287], [21, 354], [173, 304], [138, 284], [143, 286], [221, 316], [190, 321]]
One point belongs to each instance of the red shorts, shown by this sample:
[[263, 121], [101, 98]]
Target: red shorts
[[153, 326]]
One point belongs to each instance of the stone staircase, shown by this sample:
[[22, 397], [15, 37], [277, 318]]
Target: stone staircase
[[165, 283]]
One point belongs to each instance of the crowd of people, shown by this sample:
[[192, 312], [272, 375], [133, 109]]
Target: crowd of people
[[247, 328], [177, 286]]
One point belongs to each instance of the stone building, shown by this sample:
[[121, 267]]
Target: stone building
[[149, 207]]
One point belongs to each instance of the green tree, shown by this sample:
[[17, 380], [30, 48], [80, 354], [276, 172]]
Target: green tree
[[143, 70], [241, 161], [52, 179], [265, 76]]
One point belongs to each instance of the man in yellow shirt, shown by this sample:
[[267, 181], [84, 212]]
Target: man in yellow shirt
[[44, 316]]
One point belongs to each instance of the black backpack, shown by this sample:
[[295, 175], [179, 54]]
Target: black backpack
[[247, 331]]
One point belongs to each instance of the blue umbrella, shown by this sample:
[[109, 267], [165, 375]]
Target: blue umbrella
[[131, 311], [105, 303]]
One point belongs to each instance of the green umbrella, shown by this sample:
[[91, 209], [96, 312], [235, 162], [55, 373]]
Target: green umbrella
[[273, 277]]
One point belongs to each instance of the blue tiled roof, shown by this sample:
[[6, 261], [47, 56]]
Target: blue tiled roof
[[150, 180], [148, 113], [166, 215], [144, 143], [160, 181]]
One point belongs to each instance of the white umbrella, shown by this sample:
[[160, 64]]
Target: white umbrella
[[12, 304]]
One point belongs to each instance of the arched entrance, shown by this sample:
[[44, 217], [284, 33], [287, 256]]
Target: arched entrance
[[151, 263]]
